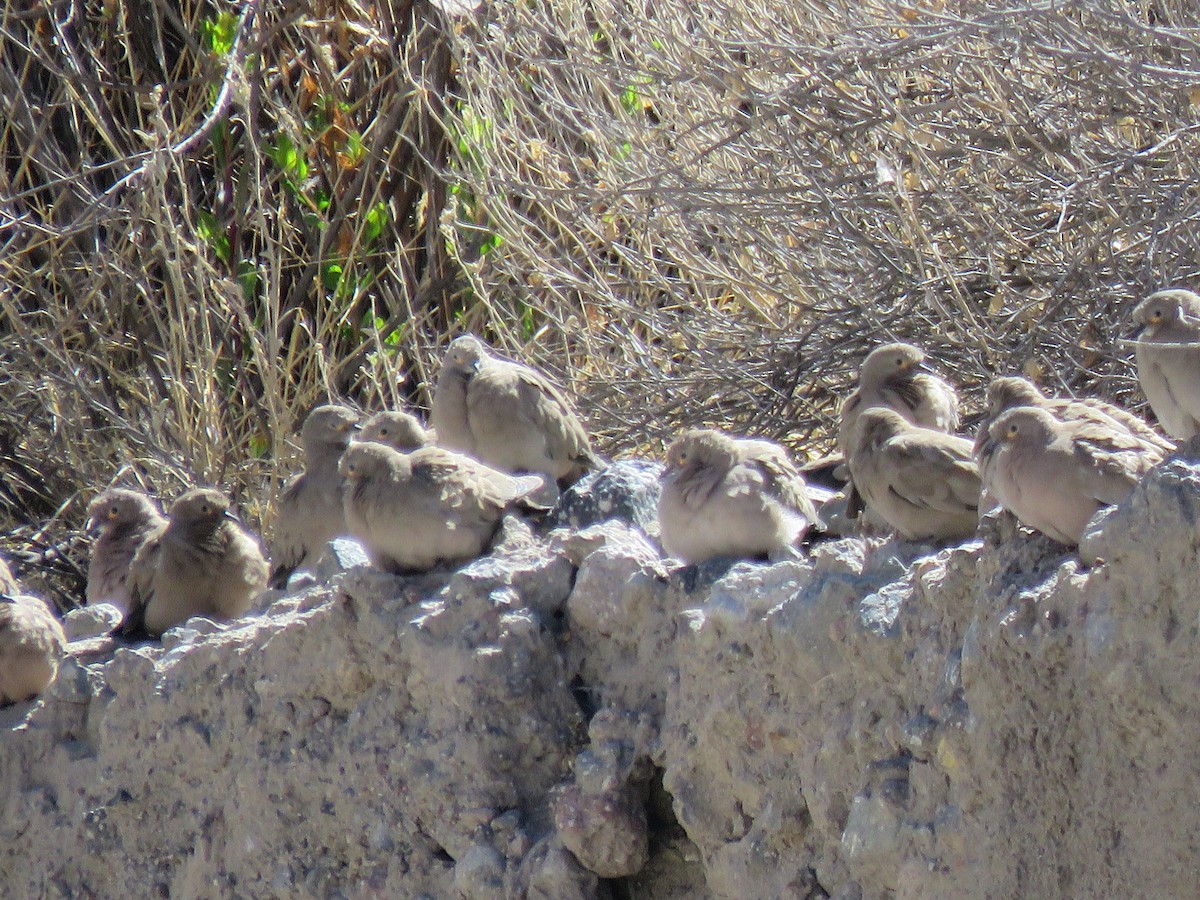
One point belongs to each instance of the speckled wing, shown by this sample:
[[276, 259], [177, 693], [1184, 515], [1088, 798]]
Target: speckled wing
[[938, 474], [1104, 412], [522, 422], [847, 419], [475, 492], [1110, 462], [288, 549], [780, 476]]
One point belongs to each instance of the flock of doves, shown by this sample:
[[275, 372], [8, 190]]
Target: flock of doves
[[503, 435]]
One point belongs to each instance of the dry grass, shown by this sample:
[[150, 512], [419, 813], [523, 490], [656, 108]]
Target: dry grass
[[214, 215]]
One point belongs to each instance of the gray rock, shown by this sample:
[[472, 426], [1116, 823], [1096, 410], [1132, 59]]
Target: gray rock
[[627, 490], [870, 719], [91, 621]]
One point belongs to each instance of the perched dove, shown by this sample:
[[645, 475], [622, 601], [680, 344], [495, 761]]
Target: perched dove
[[894, 376], [922, 482], [123, 520], [31, 643], [399, 430], [724, 496], [414, 511], [1010, 392], [1170, 375], [1054, 476], [507, 415], [8, 582], [202, 564], [310, 510]]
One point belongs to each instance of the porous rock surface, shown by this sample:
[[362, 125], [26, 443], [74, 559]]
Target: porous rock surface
[[573, 716]]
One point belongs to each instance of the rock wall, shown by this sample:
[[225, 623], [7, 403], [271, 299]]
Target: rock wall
[[570, 717]]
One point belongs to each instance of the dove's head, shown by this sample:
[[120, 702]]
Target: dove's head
[[399, 430], [465, 355], [119, 508], [329, 426], [890, 362], [701, 447], [364, 460], [1010, 391], [201, 509], [1023, 424], [1165, 308]]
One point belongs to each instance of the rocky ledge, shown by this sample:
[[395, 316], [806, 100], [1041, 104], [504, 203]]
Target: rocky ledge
[[572, 717]]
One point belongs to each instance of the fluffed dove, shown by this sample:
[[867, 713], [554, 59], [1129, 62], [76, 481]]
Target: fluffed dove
[[414, 511], [1170, 375], [399, 430], [507, 415], [202, 564], [31, 643], [310, 509], [894, 376], [1054, 476], [725, 496], [922, 482], [1009, 392], [123, 520]]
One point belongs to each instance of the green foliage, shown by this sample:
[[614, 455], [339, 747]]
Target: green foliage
[[218, 33]]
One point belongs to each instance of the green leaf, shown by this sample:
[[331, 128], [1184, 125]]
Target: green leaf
[[247, 276], [289, 159], [353, 148], [260, 446], [213, 235], [218, 34], [377, 220], [331, 275], [631, 100], [491, 243]]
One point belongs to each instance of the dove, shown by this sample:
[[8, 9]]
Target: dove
[[734, 497], [507, 415], [1010, 392], [31, 643], [310, 509], [414, 511], [894, 376], [1168, 359], [920, 481], [399, 430], [202, 564], [123, 520], [1054, 476]]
